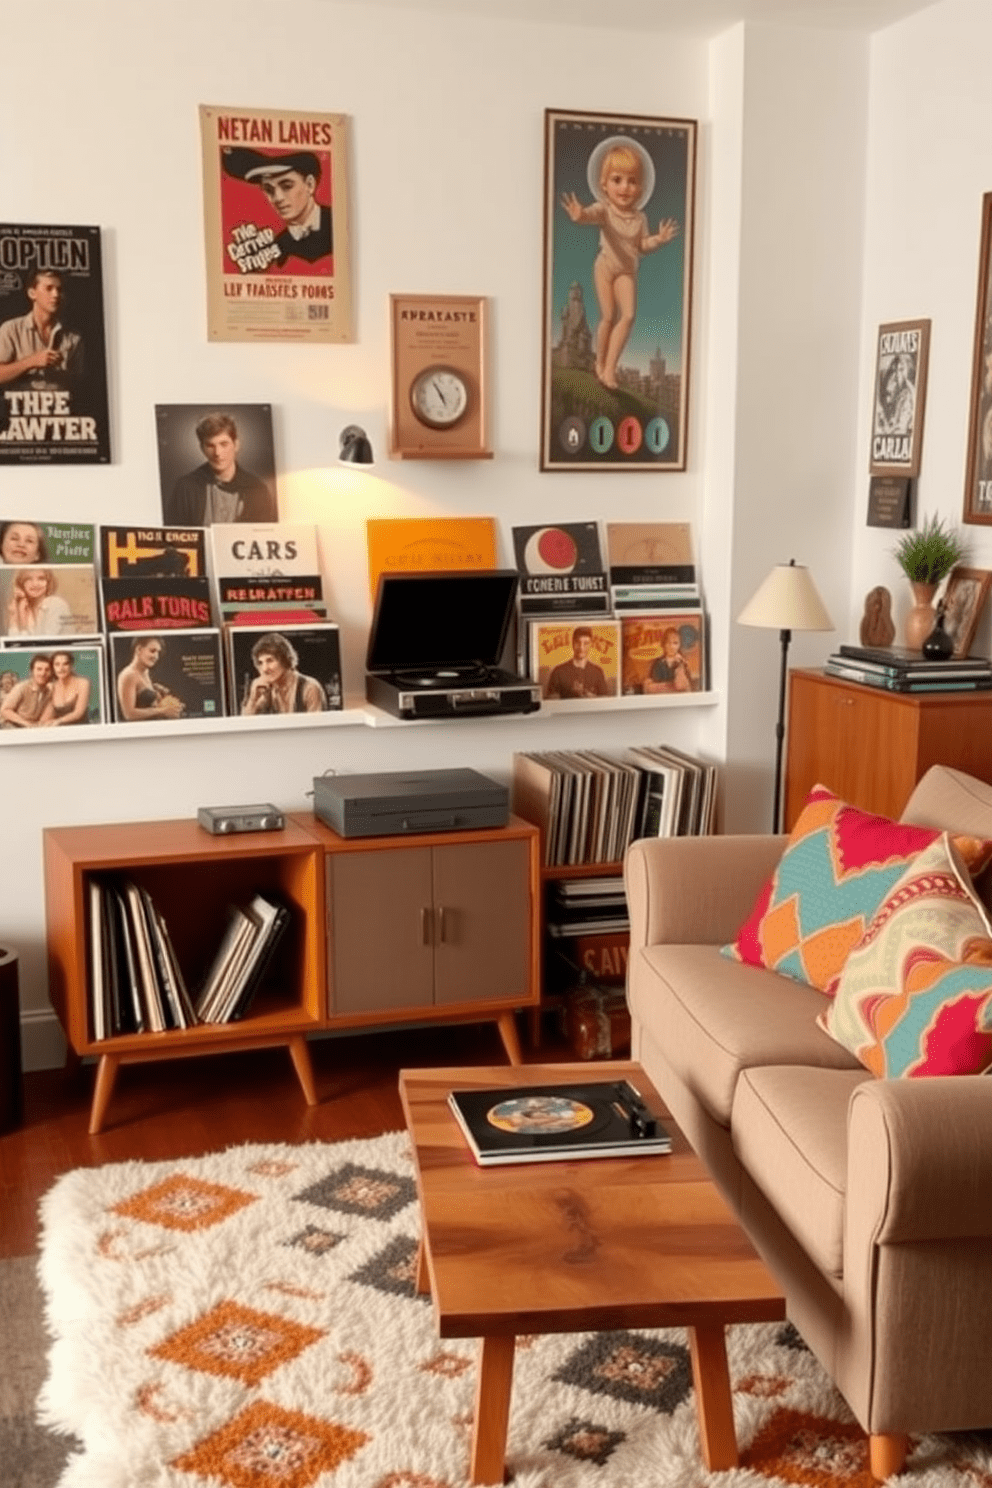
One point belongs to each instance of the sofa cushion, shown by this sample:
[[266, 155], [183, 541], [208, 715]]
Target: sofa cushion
[[838, 866], [915, 998], [713, 1019], [789, 1129]]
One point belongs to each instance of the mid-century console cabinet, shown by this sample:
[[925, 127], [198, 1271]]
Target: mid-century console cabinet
[[871, 746], [434, 927]]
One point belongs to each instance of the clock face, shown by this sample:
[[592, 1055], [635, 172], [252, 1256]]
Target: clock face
[[439, 397]]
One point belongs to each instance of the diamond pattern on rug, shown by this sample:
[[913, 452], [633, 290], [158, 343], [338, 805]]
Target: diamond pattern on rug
[[373, 1193], [586, 1441], [788, 1336], [314, 1240], [811, 1451], [237, 1342], [393, 1270], [267, 1445], [184, 1203], [631, 1367]]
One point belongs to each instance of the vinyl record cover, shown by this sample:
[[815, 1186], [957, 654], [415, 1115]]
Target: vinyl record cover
[[253, 550], [575, 660], [216, 463], [664, 652], [38, 601], [75, 682], [162, 676], [152, 552], [642, 553], [284, 669], [54, 411], [561, 569], [557, 1123], [156, 604], [412, 545], [47, 542]]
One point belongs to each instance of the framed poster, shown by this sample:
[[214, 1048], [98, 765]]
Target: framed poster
[[618, 230], [54, 408], [963, 602], [978, 479], [900, 389], [275, 211], [216, 463]]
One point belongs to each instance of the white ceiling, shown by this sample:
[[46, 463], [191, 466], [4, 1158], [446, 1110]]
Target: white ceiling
[[691, 17]]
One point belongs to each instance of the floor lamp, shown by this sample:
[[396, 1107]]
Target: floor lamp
[[786, 601]]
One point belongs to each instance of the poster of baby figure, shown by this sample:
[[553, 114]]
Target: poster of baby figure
[[618, 229]]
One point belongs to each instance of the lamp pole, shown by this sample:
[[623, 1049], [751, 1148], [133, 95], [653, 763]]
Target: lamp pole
[[785, 636]]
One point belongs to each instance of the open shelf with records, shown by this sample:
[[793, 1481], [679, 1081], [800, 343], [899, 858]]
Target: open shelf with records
[[192, 879]]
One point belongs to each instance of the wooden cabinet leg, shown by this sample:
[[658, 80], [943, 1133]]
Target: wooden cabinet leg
[[887, 1454], [511, 1039], [300, 1055], [711, 1379], [106, 1074], [492, 1410]]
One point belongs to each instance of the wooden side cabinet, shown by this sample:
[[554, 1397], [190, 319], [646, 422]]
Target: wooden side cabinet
[[192, 878], [433, 927], [872, 746]]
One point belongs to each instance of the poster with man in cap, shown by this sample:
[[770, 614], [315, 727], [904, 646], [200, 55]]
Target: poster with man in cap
[[276, 220]]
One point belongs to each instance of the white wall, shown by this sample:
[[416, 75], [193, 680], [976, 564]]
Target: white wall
[[447, 197], [928, 167]]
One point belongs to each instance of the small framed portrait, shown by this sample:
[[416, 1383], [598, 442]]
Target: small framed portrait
[[978, 478], [618, 231], [900, 390], [963, 602]]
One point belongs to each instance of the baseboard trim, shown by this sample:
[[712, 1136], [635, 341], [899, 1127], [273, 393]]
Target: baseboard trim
[[42, 1040]]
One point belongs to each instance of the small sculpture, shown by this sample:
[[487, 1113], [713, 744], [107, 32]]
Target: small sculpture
[[877, 628]]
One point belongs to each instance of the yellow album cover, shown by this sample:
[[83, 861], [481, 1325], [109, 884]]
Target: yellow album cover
[[429, 545], [575, 660], [663, 652]]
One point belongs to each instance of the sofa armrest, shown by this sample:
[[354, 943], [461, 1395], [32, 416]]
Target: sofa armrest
[[695, 890], [920, 1159]]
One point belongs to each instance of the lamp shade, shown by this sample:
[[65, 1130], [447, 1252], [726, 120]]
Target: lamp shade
[[787, 600], [355, 446]]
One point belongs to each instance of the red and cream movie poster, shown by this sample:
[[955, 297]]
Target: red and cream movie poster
[[275, 205]]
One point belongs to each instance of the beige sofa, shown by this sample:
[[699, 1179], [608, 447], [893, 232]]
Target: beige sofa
[[870, 1200]]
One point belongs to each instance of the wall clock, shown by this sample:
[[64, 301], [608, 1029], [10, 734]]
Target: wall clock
[[438, 372]]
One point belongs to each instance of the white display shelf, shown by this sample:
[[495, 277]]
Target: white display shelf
[[355, 714]]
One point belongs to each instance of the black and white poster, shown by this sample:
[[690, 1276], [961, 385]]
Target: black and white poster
[[53, 365]]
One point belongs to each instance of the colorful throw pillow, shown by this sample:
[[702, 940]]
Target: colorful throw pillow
[[837, 868], [915, 997]]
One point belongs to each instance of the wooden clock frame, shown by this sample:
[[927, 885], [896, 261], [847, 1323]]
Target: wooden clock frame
[[445, 331]]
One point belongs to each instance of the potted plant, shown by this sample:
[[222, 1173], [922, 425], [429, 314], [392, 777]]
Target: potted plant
[[926, 557]]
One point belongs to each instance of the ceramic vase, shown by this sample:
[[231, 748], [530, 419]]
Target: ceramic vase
[[922, 617]]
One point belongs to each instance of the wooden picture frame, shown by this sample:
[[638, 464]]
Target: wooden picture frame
[[901, 357], [614, 396], [962, 604], [438, 375], [978, 478]]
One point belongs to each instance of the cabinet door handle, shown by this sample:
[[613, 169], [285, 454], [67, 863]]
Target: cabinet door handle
[[426, 927], [441, 925]]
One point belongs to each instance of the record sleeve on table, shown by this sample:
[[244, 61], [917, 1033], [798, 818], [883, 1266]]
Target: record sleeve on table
[[557, 1123]]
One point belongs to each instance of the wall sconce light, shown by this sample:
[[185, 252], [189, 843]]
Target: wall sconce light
[[355, 447], [786, 601]]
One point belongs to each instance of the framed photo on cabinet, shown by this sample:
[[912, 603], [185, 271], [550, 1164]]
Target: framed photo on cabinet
[[978, 479], [618, 234], [963, 602], [900, 390]]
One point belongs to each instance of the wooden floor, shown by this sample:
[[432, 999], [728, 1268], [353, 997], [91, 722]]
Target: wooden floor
[[193, 1106]]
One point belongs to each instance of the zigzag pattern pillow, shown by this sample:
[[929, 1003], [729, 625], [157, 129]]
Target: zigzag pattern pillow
[[838, 867], [915, 997]]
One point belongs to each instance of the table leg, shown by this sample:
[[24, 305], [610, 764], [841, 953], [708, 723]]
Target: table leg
[[711, 1379], [423, 1281], [511, 1039], [492, 1409]]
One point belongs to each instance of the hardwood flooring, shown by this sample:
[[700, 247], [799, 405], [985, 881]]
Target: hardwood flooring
[[191, 1106]]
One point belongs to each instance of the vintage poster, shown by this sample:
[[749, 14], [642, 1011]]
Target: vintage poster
[[663, 653], [901, 357], [618, 229], [216, 463], [573, 661], [53, 364], [275, 207]]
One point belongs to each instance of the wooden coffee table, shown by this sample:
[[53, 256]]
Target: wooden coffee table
[[574, 1247]]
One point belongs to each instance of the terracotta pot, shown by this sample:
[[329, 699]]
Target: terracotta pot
[[922, 617]]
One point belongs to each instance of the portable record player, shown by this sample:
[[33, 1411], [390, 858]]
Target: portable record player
[[436, 643]]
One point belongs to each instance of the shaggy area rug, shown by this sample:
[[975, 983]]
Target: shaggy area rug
[[248, 1320]]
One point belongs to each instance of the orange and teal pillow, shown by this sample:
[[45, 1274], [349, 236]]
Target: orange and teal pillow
[[838, 866], [915, 997]]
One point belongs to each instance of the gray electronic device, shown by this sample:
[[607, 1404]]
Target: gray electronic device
[[399, 801], [224, 820]]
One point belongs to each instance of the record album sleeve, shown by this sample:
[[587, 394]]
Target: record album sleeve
[[557, 1123], [166, 675]]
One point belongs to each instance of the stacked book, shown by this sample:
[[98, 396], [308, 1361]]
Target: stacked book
[[590, 805], [898, 669]]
